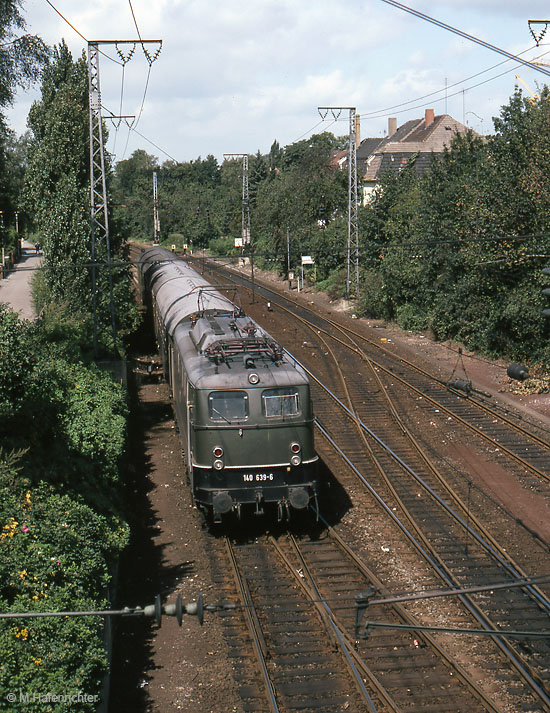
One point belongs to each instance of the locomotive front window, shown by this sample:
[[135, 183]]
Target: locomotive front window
[[228, 405], [280, 402]]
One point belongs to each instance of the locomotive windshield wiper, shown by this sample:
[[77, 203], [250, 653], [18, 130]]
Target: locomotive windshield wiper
[[214, 410]]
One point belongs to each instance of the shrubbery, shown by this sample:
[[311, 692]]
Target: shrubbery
[[63, 430], [460, 249]]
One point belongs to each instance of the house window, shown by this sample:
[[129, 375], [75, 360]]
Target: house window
[[280, 402], [228, 405]]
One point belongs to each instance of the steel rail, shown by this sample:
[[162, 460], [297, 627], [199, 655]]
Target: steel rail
[[254, 627], [405, 616], [513, 570], [483, 407], [483, 531], [342, 640], [510, 654], [480, 616], [490, 545]]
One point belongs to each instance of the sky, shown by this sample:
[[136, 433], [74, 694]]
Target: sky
[[233, 76]]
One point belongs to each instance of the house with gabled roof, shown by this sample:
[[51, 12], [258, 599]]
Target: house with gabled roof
[[418, 138]]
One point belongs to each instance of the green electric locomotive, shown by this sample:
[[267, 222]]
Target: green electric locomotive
[[242, 404]]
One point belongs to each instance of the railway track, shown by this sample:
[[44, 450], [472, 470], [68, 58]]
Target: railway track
[[439, 529], [295, 666], [296, 613], [528, 444]]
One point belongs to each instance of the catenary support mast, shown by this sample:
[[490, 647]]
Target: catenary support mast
[[98, 185], [245, 206], [352, 245], [156, 221]]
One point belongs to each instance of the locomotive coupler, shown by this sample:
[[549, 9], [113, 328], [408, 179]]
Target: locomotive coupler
[[282, 510], [259, 499]]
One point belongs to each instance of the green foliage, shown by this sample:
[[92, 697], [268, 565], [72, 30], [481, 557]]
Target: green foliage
[[57, 194], [372, 297], [57, 179], [60, 527], [291, 189], [54, 555], [334, 285], [460, 250], [15, 363], [21, 58]]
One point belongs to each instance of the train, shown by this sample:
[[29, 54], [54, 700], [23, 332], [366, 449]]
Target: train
[[242, 404]]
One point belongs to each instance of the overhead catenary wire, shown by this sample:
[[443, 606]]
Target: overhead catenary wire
[[153, 144], [377, 113], [466, 36], [150, 60], [78, 32]]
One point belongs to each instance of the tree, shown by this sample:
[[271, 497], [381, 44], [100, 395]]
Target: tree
[[57, 196], [57, 183], [21, 58], [304, 197], [460, 250]]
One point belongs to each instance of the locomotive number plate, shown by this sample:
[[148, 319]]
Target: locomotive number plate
[[249, 477]]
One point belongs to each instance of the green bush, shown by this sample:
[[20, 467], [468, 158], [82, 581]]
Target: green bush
[[372, 295], [61, 527], [334, 285], [54, 555]]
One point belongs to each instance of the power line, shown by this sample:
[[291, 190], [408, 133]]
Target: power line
[[466, 36], [153, 144], [135, 21], [380, 112], [150, 60], [78, 32]]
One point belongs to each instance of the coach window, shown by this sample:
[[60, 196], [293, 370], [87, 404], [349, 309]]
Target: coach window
[[228, 405], [280, 402]]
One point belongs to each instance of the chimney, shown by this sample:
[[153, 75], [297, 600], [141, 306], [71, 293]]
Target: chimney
[[429, 117], [392, 125], [357, 129]]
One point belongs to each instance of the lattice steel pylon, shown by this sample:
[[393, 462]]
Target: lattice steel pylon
[[156, 220], [245, 206], [98, 186], [353, 220], [353, 215]]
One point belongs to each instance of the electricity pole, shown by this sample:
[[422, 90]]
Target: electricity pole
[[156, 221], [245, 206], [98, 184], [353, 221], [245, 216]]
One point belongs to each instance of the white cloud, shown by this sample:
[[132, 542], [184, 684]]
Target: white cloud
[[234, 75]]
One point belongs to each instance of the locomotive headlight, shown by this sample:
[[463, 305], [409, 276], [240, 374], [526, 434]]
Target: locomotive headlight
[[253, 378], [217, 451], [218, 464], [295, 458]]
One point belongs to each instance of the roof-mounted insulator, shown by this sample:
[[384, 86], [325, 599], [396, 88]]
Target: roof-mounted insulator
[[224, 351], [250, 329]]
